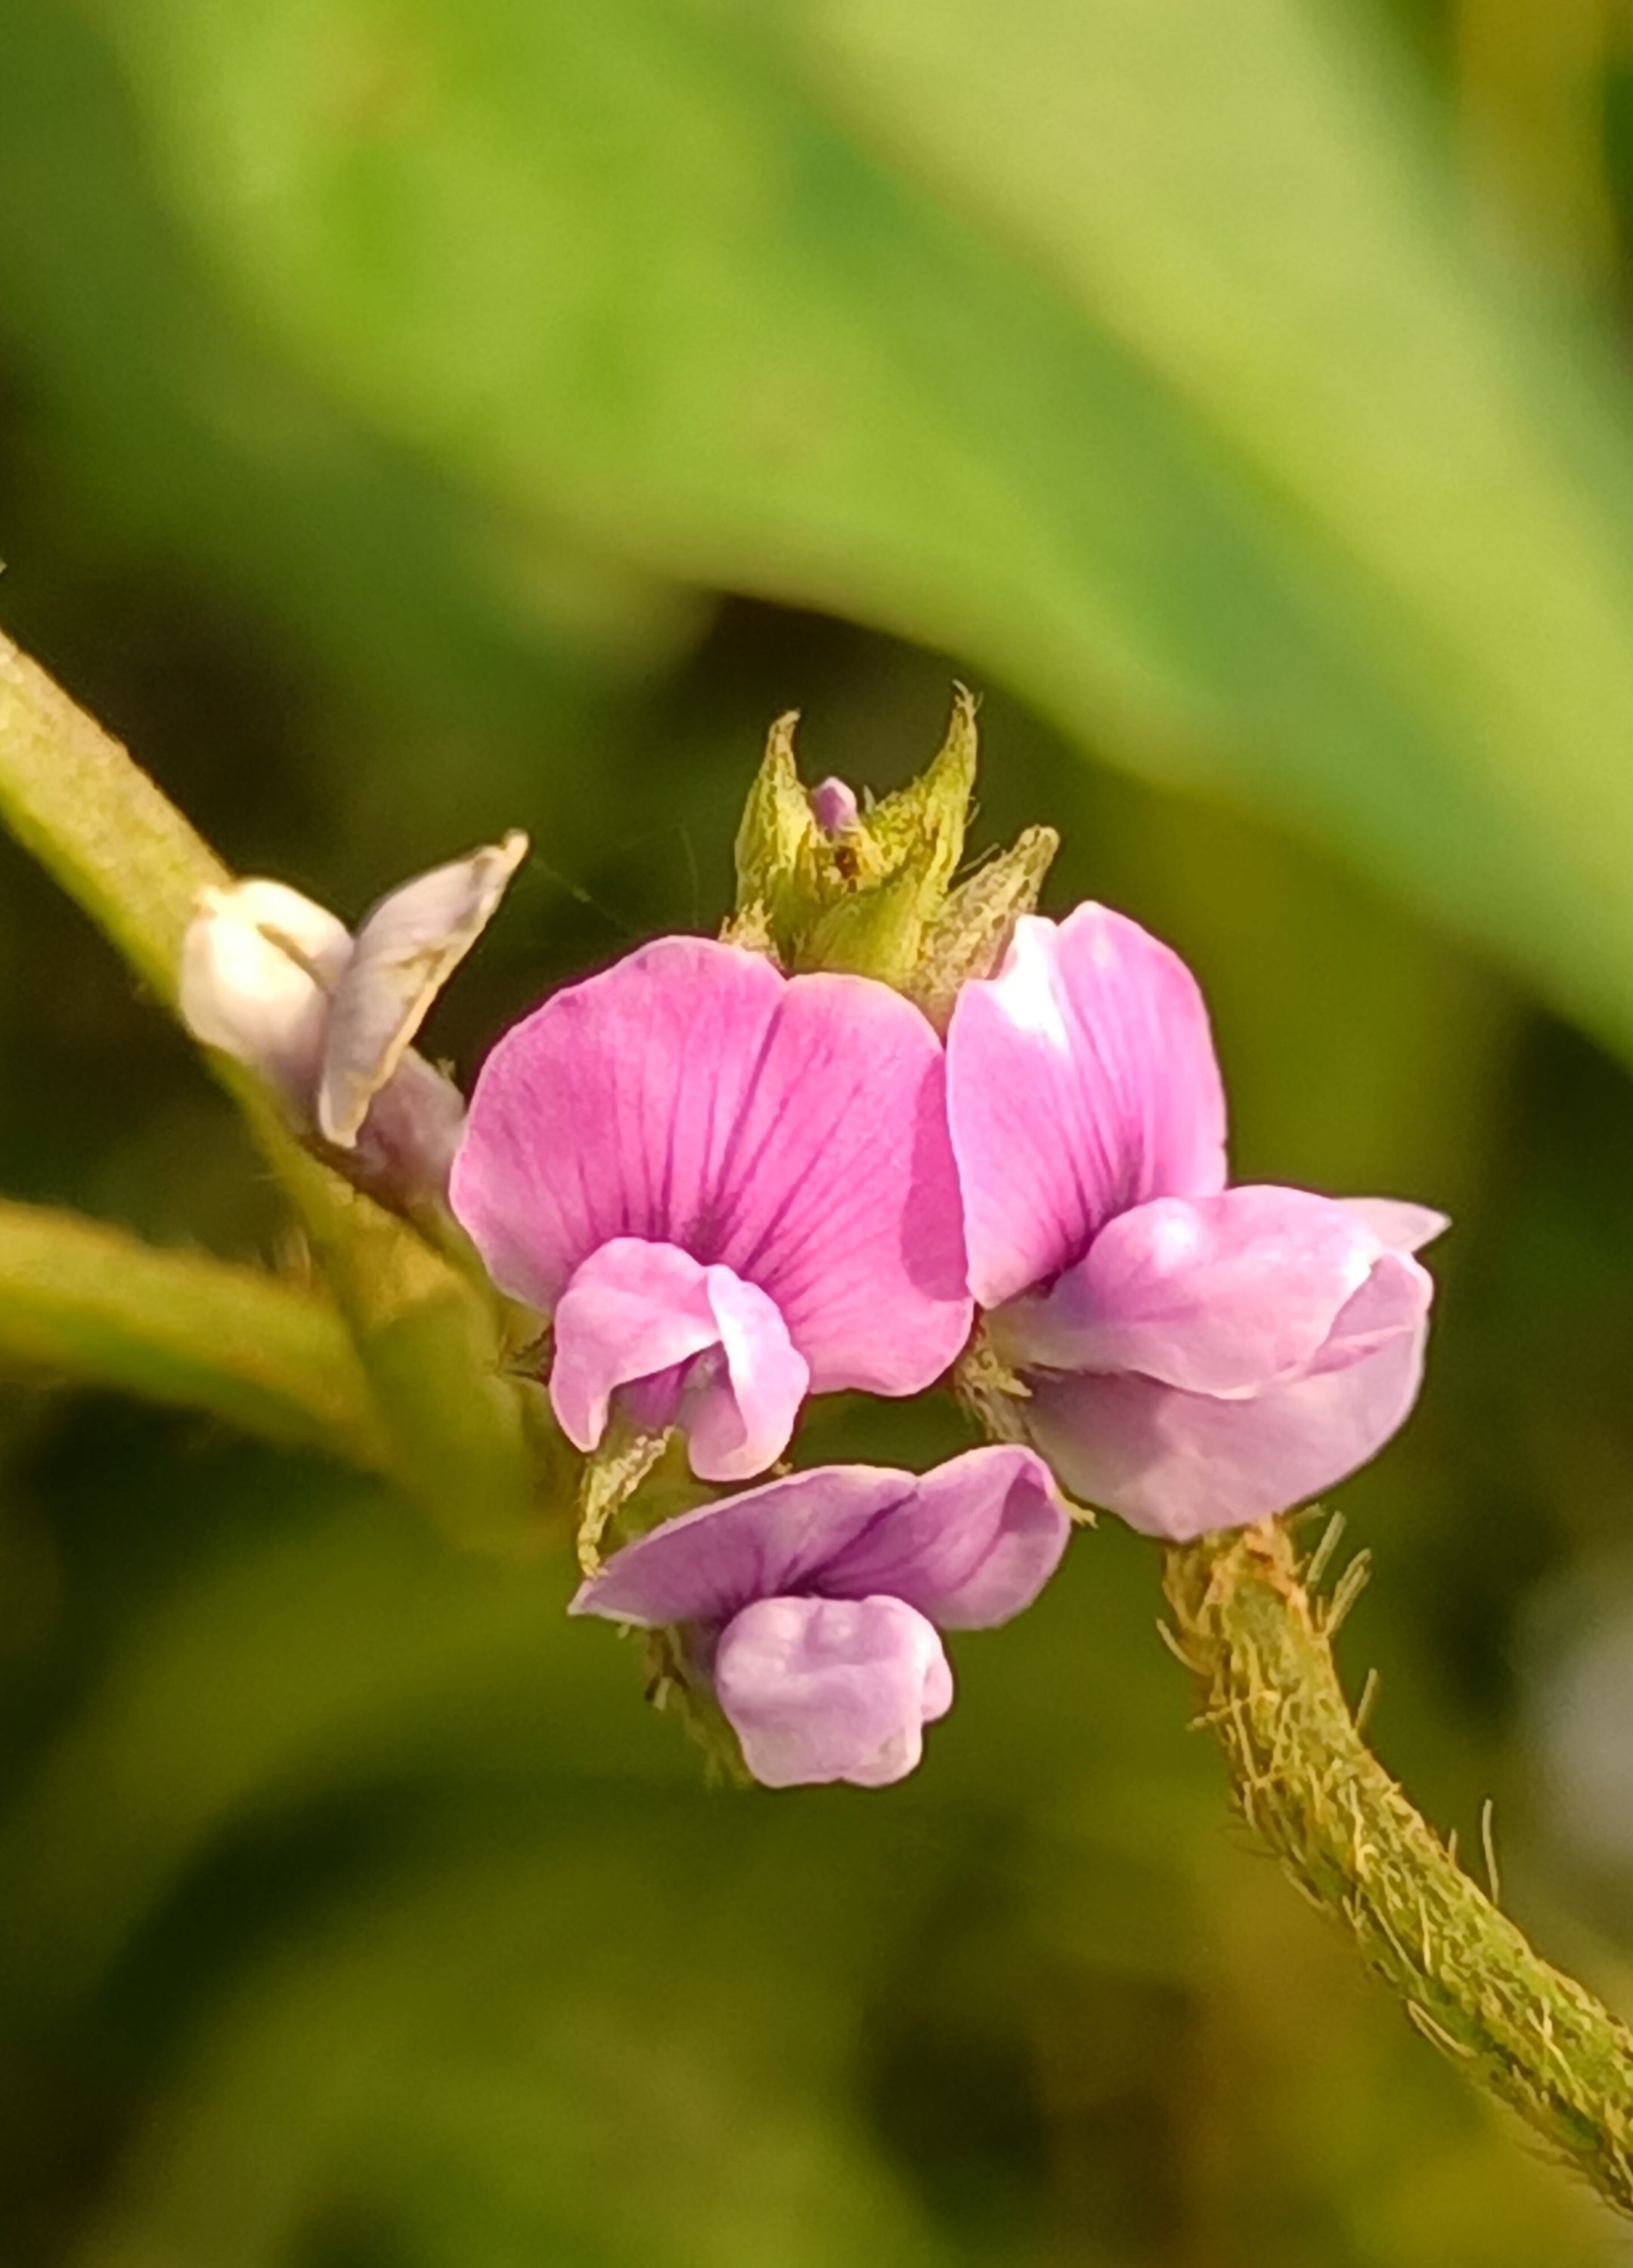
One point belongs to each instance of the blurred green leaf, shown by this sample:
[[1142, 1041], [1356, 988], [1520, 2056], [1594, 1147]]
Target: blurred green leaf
[[100, 1307], [338, 1641], [1133, 351], [547, 2049], [172, 442]]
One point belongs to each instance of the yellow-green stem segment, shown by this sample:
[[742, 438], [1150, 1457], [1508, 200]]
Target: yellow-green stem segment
[[1258, 1644]]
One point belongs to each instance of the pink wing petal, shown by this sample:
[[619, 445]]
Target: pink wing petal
[[974, 1543], [1218, 1294], [637, 1312], [1177, 1465], [741, 1421], [707, 1565], [822, 1689], [1395, 1298], [1082, 1080], [631, 1311]]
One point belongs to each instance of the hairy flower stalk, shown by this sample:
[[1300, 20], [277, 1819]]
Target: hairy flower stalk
[[1258, 1644]]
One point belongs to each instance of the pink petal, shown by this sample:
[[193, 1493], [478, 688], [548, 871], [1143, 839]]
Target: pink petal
[[974, 1543], [1082, 1081], [406, 1142], [641, 1312], [791, 1130], [1218, 1295], [741, 1420], [1177, 1464], [1393, 1221], [822, 1689], [406, 949], [969, 1544], [840, 1197], [709, 1563], [631, 1311], [1395, 1298], [610, 1110]]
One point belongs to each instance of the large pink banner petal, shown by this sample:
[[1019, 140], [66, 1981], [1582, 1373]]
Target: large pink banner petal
[[1081, 1081]]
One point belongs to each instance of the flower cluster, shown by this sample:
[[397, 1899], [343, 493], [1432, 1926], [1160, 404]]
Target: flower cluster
[[729, 1187], [725, 1187]]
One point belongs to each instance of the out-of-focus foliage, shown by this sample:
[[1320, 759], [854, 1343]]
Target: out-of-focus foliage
[[387, 394], [1137, 348]]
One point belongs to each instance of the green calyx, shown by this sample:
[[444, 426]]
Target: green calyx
[[877, 898]]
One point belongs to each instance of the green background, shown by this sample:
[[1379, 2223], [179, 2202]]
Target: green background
[[420, 417]]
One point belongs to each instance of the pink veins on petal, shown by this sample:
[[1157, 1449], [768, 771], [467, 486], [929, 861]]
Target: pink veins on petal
[[1195, 1356], [727, 1187]]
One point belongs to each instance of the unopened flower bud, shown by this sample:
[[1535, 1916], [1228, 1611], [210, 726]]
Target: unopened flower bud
[[280, 984], [257, 963], [834, 806]]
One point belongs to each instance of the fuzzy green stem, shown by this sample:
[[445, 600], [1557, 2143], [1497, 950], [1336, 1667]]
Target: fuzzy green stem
[[1259, 1645]]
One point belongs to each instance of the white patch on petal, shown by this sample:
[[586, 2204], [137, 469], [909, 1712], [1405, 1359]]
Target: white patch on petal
[[255, 962], [1026, 991], [1175, 1240], [1362, 1258]]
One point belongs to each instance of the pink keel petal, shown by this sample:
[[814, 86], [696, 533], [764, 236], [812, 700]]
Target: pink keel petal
[[1177, 1465], [1081, 1081], [1218, 1295], [820, 1689]]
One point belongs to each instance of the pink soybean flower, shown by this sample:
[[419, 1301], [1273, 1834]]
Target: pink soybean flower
[[1195, 1356], [727, 1188], [813, 1605]]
